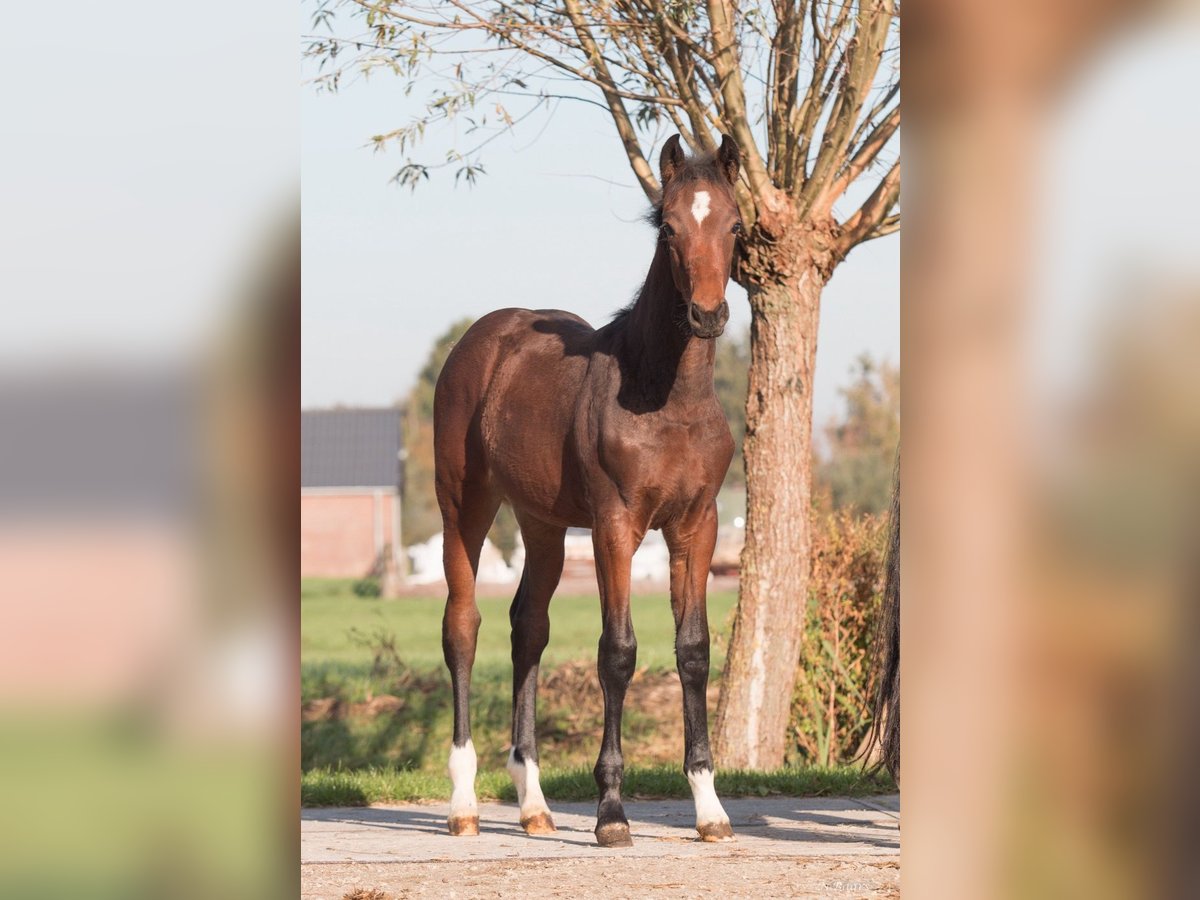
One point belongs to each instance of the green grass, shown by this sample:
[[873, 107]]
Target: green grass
[[327, 787], [354, 649], [333, 620]]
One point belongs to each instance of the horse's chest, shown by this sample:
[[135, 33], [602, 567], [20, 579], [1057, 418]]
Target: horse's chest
[[670, 462]]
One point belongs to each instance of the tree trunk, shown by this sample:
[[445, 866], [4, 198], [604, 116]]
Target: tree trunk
[[751, 729]]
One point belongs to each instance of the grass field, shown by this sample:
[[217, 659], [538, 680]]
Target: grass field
[[325, 787], [332, 613], [377, 714]]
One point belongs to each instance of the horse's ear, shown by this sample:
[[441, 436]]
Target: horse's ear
[[670, 161], [730, 158]]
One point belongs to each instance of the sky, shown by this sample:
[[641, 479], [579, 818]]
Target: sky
[[143, 184], [555, 223]]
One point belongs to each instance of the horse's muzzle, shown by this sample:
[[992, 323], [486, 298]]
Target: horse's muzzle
[[708, 323]]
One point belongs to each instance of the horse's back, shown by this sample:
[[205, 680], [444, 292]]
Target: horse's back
[[504, 343], [537, 330]]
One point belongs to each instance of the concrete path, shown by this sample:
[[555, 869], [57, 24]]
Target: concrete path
[[785, 847]]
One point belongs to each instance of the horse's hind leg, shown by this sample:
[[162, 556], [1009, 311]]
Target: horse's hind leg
[[530, 618], [467, 513]]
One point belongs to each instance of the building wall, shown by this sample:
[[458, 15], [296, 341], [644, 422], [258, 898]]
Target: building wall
[[341, 534]]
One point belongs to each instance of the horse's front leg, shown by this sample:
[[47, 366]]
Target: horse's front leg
[[691, 546], [613, 543]]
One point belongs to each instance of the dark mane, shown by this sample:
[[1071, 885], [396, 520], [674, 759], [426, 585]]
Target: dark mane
[[625, 311]]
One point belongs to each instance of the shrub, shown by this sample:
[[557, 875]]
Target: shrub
[[366, 587], [831, 709]]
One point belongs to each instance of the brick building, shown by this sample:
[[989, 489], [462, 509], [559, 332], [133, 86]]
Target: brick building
[[350, 480]]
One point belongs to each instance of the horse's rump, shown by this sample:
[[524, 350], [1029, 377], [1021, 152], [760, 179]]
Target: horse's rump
[[512, 367]]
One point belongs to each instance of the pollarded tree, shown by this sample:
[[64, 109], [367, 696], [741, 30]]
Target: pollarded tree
[[809, 91]]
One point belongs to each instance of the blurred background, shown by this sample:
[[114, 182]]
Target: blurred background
[[149, 383], [1050, 282]]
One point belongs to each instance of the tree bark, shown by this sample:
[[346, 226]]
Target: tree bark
[[751, 729]]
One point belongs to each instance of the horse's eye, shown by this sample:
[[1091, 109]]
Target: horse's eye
[[667, 230], [737, 228]]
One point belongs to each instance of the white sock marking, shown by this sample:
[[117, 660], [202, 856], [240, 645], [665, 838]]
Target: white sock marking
[[708, 808], [529, 787], [535, 801], [700, 206], [462, 777]]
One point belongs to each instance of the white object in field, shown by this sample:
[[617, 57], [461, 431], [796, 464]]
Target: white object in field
[[427, 568]]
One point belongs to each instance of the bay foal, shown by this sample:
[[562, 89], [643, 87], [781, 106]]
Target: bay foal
[[616, 429]]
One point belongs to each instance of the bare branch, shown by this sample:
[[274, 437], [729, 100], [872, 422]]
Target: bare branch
[[733, 92], [864, 156], [870, 119], [889, 225], [862, 56], [679, 58], [873, 213], [804, 118], [641, 168], [510, 36], [800, 72], [783, 72]]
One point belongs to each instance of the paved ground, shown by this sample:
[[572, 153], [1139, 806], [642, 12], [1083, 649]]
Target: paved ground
[[786, 847]]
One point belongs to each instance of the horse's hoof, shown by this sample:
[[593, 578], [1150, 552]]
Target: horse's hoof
[[538, 823], [613, 834], [715, 832], [464, 826]]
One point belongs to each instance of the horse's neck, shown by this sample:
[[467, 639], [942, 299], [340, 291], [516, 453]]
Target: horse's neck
[[661, 352]]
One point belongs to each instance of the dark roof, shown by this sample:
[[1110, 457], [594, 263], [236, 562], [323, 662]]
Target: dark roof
[[350, 448], [101, 442]]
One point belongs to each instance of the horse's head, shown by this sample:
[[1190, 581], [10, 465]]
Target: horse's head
[[699, 222]]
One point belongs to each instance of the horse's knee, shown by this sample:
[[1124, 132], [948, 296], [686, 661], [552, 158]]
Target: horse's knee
[[530, 632], [618, 654], [609, 770], [692, 655], [529, 646]]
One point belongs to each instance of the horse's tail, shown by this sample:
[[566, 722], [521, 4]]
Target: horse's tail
[[885, 727]]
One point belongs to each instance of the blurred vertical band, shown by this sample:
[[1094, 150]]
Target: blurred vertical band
[[149, 407], [1051, 336]]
